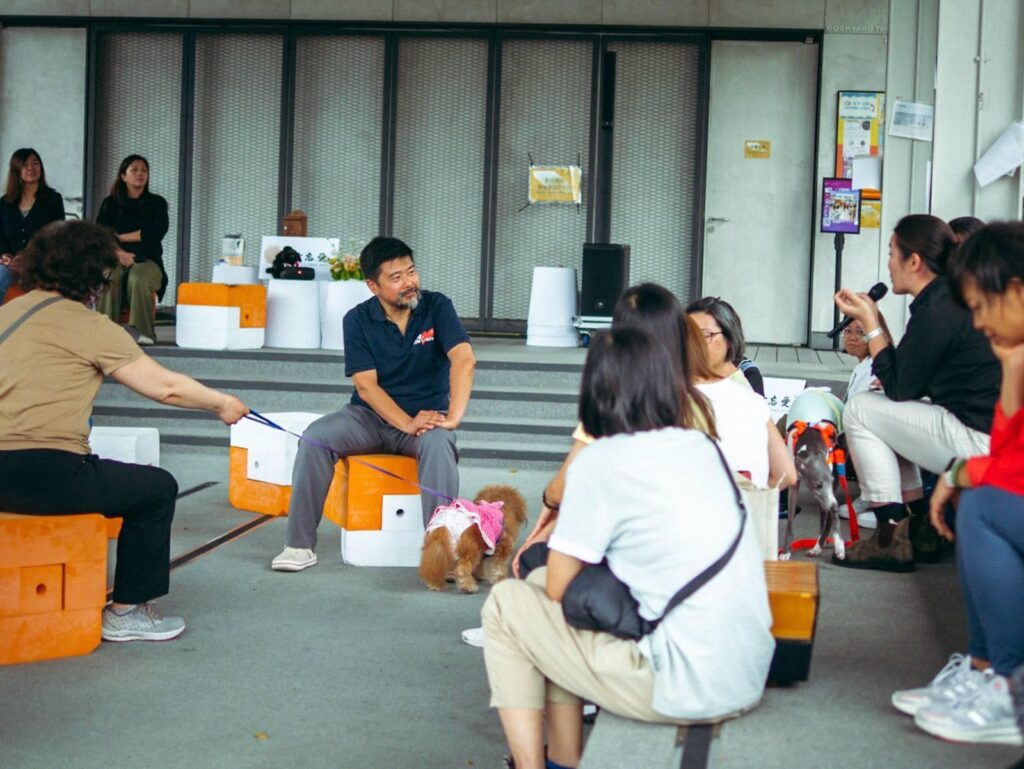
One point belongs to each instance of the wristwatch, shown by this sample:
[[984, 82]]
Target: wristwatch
[[872, 334]]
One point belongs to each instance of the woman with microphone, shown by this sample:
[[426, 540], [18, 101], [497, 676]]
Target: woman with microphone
[[940, 387]]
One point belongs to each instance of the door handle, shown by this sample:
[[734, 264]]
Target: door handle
[[713, 219]]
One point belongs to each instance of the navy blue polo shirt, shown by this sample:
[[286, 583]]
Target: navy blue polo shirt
[[412, 368]]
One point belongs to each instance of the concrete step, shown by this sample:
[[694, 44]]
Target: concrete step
[[328, 367], [320, 397]]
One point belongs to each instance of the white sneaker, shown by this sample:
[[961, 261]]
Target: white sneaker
[[865, 519], [294, 559], [985, 716], [474, 636], [144, 341], [140, 624], [954, 682]]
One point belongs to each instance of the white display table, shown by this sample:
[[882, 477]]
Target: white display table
[[234, 275], [293, 314], [337, 297]]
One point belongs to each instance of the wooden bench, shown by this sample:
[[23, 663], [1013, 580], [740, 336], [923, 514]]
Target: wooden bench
[[621, 743]]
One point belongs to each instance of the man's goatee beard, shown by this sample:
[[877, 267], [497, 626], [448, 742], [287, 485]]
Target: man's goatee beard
[[412, 302]]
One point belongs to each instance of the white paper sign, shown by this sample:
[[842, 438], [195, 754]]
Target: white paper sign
[[867, 173], [1003, 156], [912, 120], [779, 393]]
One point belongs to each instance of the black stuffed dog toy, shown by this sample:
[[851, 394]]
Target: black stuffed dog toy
[[288, 266]]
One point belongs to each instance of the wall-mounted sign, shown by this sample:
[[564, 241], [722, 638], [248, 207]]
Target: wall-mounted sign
[[840, 207], [757, 148], [860, 121], [556, 184]]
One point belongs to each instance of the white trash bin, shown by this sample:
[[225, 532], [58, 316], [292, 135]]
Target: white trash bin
[[552, 307]]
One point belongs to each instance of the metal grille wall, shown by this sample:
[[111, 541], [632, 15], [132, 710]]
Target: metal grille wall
[[654, 173], [439, 162], [138, 111], [338, 117], [235, 150], [545, 112]]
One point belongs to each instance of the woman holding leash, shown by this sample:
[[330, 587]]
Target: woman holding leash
[[56, 353], [969, 701], [941, 358], [668, 511]]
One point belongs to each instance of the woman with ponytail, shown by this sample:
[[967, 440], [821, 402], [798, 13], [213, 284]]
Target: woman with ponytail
[[940, 387]]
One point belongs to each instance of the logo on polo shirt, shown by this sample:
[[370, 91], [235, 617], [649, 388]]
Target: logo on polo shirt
[[425, 336]]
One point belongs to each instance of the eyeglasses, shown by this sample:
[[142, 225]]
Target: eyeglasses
[[851, 331], [708, 335]]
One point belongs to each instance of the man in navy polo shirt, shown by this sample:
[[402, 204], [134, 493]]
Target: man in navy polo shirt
[[412, 365]]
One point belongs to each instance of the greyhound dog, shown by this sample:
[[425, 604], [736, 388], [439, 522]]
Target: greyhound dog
[[813, 426]]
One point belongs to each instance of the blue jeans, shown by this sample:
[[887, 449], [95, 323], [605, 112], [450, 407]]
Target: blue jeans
[[6, 278], [990, 553]]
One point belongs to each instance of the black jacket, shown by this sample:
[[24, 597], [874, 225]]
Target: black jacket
[[148, 214], [942, 357], [17, 230]]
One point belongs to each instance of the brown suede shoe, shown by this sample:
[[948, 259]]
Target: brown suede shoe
[[897, 556]]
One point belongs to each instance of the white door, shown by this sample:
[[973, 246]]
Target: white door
[[759, 200]]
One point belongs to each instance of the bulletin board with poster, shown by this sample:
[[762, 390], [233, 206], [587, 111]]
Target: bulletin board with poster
[[860, 128]]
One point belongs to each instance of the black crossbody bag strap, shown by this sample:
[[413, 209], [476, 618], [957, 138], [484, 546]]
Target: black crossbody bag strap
[[708, 574], [28, 314]]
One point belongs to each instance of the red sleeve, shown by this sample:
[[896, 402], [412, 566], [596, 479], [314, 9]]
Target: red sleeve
[[1004, 466]]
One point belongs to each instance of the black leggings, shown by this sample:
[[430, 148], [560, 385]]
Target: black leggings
[[51, 482]]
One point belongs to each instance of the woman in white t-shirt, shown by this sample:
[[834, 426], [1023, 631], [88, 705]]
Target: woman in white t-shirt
[[658, 503]]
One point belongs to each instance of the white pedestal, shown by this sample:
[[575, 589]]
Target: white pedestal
[[336, 299], [398, 543], [234, 275], [293, 314], [136, 445], [552, 307], [271, 453], [207, 327]]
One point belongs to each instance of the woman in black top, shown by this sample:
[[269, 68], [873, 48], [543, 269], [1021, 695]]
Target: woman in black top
[[27, 205], [941, 358], [139, 220]]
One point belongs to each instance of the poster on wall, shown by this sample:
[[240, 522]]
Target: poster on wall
[[840, 207], [556, 184], [860, 121]]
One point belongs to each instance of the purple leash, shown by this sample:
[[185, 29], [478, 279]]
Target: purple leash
[[257, 417]]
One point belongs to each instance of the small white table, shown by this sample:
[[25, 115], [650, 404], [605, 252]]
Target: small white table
[[234, 275], [552, 307]]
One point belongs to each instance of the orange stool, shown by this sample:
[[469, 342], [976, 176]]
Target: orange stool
[[250, 299], [53, 585], [794, 599], [13, 292], [354, 501]]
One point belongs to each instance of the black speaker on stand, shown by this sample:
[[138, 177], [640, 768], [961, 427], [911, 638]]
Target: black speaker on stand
[[605, 278]]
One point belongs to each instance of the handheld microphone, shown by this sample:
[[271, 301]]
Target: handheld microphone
[[876, 292]]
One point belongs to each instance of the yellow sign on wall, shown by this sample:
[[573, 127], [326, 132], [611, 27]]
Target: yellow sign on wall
[[757, 148], [555, 184]]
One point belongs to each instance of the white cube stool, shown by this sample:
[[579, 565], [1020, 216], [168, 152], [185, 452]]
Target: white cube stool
[[552, 307], [135, 445], [293, 314], [234, 275], [207, 327], [399, 541], [271, 453]]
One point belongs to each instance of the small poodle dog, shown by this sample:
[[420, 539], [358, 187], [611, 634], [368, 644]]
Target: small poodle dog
[[460, 534]]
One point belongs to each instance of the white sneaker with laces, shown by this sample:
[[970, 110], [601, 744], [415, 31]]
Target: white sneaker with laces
[[140, 624], [954, 682], [985, 716], [145, 341], [473, 636], [294, 559]]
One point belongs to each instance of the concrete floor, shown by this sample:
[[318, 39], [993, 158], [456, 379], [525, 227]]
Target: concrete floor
[[346, 667]]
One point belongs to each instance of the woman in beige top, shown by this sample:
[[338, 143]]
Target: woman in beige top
[[55, 354]]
